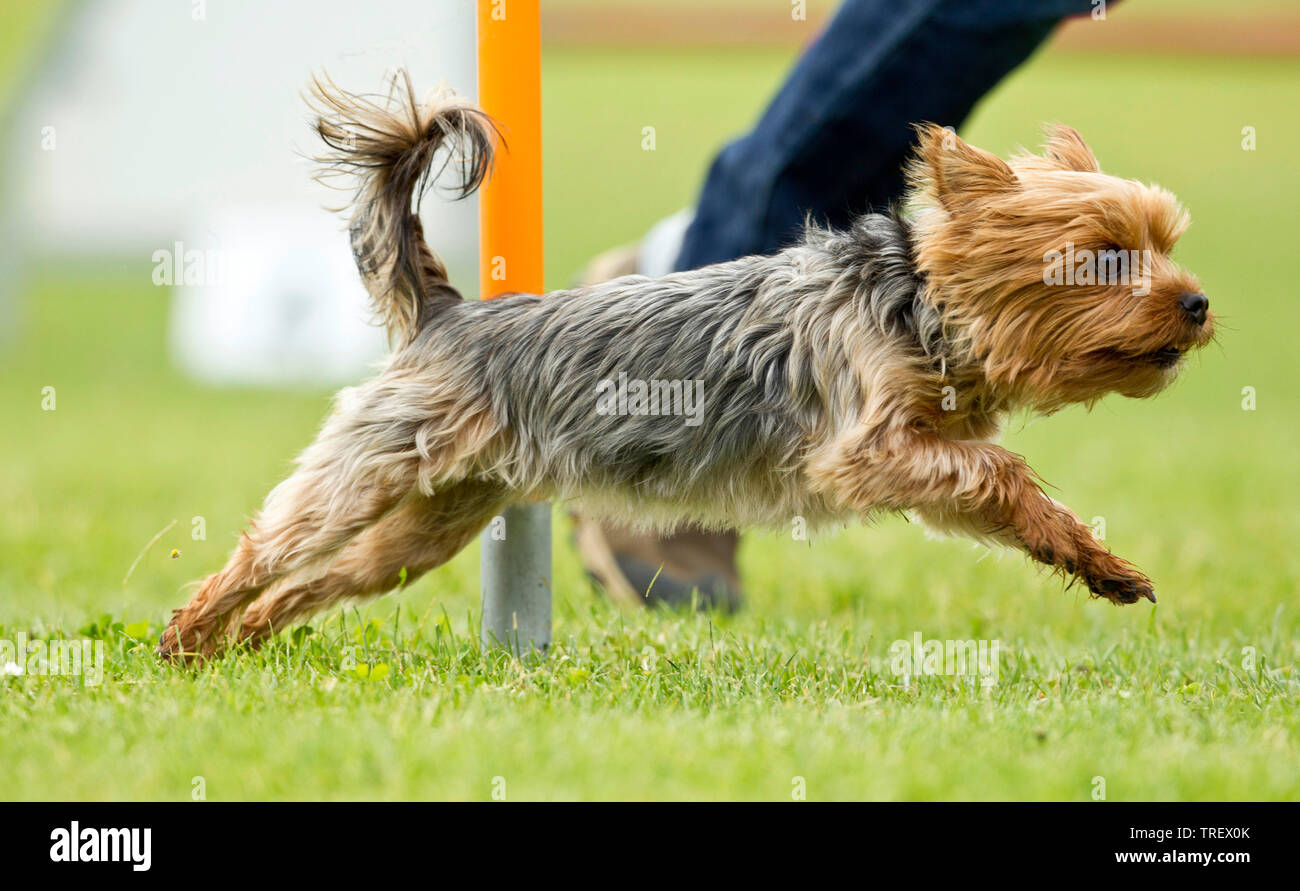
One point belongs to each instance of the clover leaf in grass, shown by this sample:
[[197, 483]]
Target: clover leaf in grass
[[371, 672]]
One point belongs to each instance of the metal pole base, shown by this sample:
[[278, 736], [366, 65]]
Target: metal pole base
[[516, 579]]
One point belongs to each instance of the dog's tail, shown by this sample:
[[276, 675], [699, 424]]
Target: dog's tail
[[390, 145]]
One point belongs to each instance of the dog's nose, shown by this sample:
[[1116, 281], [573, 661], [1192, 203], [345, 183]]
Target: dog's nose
[[1195, 305]]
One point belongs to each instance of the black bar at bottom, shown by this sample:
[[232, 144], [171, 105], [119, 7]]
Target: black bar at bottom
[[379, 842]]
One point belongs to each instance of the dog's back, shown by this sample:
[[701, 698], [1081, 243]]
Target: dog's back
[[701, 390]]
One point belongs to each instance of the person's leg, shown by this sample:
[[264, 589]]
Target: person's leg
[[830, 145], [833, 140]]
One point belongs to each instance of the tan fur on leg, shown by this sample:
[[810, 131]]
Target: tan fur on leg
[[977, 489], [420, 535], [345, 482]]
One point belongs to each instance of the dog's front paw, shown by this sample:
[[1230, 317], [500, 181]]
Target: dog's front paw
[[1122, 590], [1117, 580]]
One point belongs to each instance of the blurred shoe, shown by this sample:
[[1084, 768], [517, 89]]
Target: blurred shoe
[[688, 565], [654, 255], [614, 263]]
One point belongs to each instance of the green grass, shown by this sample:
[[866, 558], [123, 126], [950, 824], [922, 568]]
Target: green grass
[[1161, 702]]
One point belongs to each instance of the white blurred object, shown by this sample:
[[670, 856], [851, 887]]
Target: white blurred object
[[269, 296], [154, 121], [657, 253]]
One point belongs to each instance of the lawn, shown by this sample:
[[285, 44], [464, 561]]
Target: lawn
[[1194, 698]]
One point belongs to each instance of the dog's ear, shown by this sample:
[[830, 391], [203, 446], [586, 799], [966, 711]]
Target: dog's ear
[[957, 174], [1066, 147]]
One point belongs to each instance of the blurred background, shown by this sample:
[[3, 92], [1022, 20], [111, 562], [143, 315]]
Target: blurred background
[[171, 279], [176, 309]]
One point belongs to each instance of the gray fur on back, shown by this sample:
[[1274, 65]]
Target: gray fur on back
[[777, 341]]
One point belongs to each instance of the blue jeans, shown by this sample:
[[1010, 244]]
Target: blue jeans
[[833, 141]]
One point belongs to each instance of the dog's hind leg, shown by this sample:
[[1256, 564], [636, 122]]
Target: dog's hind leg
[[420, 535], [411, 430], [365, 461]]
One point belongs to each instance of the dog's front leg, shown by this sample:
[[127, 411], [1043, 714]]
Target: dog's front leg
[[977, 489]]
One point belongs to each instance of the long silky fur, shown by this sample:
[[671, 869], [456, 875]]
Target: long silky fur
[[390, 146], [785, 346]]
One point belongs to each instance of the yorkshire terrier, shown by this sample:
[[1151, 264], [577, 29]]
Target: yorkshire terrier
[[857, 372]]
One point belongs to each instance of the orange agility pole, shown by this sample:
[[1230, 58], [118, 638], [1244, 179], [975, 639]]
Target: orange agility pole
[[510, 89], [516, 561]]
